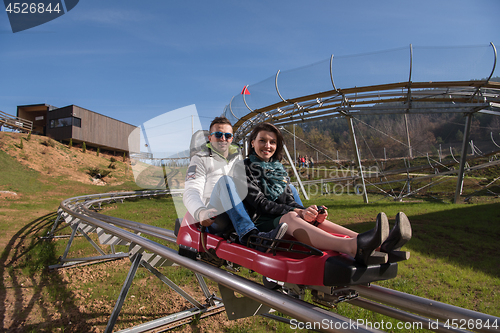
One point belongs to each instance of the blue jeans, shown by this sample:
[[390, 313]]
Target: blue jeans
[[225, 198], [295, 195]]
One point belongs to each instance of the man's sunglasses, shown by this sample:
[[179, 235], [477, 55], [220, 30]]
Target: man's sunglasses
[[219, 135]]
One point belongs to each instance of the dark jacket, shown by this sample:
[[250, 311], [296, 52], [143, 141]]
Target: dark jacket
[[257, 204]]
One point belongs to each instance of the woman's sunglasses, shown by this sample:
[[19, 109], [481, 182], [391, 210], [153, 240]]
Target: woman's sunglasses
[[219, 135]]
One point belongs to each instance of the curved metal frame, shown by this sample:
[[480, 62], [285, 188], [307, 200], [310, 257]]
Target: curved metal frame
[[331, 73], [491, 134], [276, 85], [245, 101], [457, 161], [492, 70], [409, 76], [231, 109], [494, 60], [452, 156]]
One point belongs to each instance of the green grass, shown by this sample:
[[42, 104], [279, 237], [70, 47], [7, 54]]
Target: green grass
[[17, 178], [158, 211]]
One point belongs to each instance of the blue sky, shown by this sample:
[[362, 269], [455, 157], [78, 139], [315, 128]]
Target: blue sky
[[135, 60]]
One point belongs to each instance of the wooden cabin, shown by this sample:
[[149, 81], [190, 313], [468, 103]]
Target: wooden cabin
[[79, 124]]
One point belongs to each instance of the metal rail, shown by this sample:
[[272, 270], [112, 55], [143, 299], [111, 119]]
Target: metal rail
[[405, 307], [15, 122], [426, 307]]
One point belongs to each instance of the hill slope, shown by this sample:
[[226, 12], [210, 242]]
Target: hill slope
[[53, 159]]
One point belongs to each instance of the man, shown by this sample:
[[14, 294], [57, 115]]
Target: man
[[216, 183]]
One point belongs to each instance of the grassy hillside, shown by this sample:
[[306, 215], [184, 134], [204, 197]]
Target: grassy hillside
[[57, 160]]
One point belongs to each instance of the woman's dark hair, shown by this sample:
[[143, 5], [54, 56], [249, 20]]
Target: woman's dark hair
[[278, 154]]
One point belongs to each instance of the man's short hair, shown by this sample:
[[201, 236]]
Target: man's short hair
[[219, 120]]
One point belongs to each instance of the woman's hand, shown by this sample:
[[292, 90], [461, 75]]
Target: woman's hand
[[322, 216], [309, 214]]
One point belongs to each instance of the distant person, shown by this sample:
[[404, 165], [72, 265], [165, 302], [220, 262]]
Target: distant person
[[270, 203], [211, 189], [311, 162]]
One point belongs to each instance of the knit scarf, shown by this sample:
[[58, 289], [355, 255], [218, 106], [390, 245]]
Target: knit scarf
[[272, 177]]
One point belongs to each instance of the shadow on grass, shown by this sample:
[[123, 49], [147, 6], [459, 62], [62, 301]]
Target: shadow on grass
[[464, 235], [30, 289]]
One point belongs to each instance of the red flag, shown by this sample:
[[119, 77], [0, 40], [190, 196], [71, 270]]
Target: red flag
[[245, 91]]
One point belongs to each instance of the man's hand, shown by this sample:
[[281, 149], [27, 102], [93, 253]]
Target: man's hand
[[206, 217]]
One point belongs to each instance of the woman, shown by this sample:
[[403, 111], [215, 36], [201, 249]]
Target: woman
[[270, 202]]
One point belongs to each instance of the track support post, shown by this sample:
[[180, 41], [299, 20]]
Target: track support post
[[240, 307], [50, 234], [463, 157], [292, 164], [358, 159]]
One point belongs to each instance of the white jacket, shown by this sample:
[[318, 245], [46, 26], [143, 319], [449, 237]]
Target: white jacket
[[206, 168]]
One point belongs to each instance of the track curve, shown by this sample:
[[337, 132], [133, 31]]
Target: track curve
[[78, 207], [81, 210]]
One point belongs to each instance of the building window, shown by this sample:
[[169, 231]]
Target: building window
[[61, 122], [77, 122], [67, 121]]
